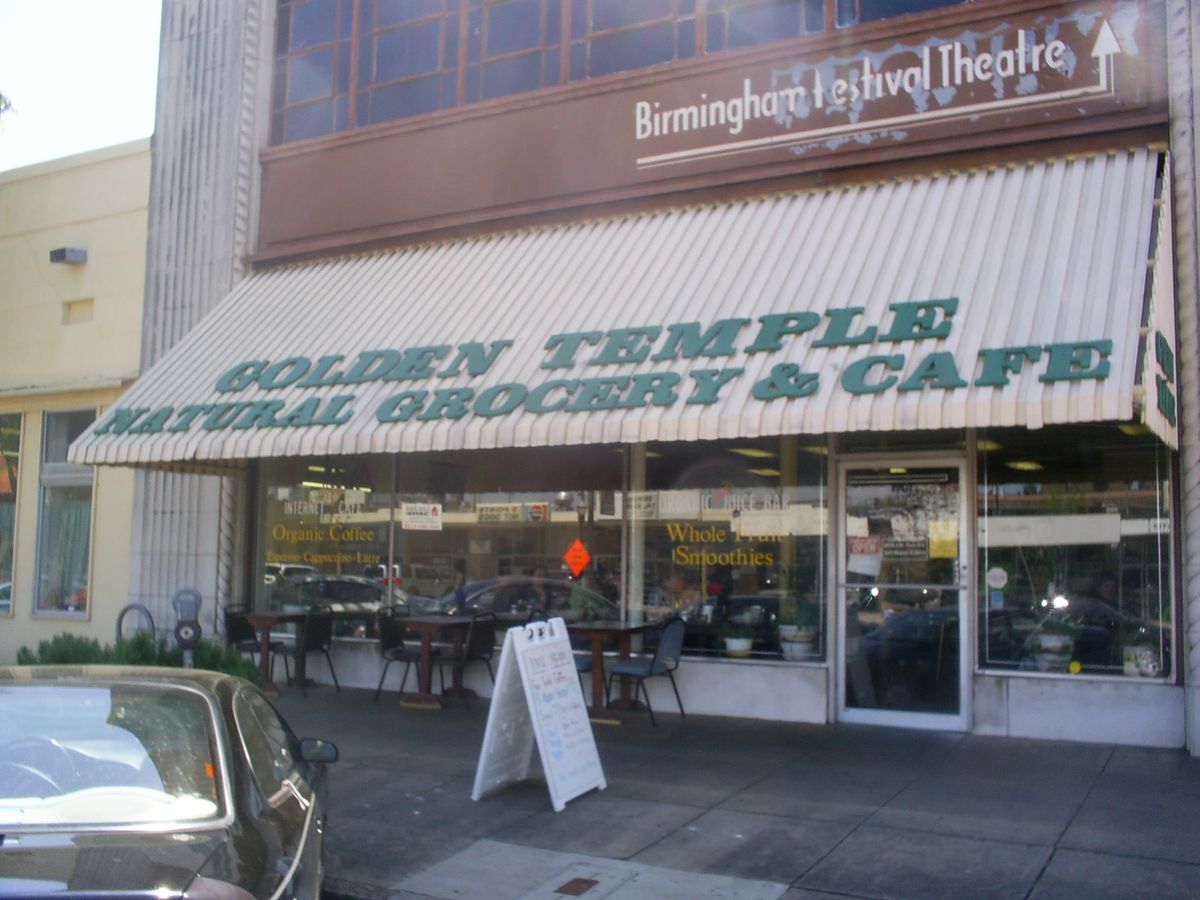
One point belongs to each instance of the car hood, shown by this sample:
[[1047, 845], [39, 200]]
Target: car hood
[[161, 865]]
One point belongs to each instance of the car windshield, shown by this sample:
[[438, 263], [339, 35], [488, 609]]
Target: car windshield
[[97, 756]]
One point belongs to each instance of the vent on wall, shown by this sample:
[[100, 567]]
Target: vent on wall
[[76, 311]]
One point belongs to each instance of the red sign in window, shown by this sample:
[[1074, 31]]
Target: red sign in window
[[577, 558]]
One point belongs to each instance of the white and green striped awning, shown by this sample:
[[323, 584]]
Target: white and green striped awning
[[1020, 295]]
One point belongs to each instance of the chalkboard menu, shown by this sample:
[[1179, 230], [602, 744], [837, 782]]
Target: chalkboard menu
[[537, 698]]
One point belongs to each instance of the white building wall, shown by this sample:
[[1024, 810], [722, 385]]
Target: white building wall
[[1183, 36], [211, 117]]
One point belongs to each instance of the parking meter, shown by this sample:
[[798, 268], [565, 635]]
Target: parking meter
[[187, 621]]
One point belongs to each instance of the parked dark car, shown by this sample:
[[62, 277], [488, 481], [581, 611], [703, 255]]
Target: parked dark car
[[521, 595], [353, 599], [163, 783], [913, 658]]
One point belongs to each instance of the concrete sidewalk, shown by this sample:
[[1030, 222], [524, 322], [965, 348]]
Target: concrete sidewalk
[[714, 807]]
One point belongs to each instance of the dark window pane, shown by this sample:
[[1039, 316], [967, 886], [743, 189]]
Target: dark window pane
[[346, 18], [343, 67], [512, 75], [449, 89], [408, 98], [282, 30], [551, 66], [362, 109], [472, 85], [685, 39], [310, 120], [553, 28], [514, 25], [474, 32], [774, 22], [61, 429], [814, 16], [397, 12], [407, 51], [847, 13], [632, 49], [450, 35], [874, 10], [687, 7], [279, 84], [607, 14], [714, 33], [341, 108], [310, 75], [313, 22], [578, 61], [579, 22], [10, 459], [366, 59]]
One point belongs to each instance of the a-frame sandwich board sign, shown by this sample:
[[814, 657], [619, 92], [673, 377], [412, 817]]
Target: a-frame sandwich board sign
[[537, 699]]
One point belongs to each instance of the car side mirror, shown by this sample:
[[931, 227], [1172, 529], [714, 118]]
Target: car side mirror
[[315, 750]]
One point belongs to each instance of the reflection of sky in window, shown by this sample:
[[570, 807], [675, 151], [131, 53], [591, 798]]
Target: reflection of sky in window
[[79, 718]]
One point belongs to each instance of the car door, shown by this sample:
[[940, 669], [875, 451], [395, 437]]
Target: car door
[[292, 813]]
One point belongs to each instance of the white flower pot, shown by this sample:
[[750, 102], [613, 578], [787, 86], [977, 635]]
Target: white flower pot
[[738, 646]]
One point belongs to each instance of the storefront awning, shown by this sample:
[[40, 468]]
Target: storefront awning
[[1010, 296]]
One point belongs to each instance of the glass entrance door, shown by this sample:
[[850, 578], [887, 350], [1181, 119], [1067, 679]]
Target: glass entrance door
[[903, 594]]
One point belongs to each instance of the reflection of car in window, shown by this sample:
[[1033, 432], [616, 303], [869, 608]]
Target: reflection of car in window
[[274, 572], [353, 599], [1009, 636], [521, 595]]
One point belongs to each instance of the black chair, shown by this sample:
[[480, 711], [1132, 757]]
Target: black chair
[[664, 662], [241, 636], [393, 646], [315, 635], [479, 646]]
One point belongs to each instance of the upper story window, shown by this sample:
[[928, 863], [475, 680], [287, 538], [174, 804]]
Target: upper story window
[[342, 64]]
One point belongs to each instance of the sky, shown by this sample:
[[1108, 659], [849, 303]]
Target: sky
[[80, 75]]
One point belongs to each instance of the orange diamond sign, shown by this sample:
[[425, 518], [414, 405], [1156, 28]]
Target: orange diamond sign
[[577, 557]]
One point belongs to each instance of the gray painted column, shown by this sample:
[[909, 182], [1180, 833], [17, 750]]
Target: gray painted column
[[1183, 33], [214, 59]]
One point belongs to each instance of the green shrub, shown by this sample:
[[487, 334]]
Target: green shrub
[[143, 649], [64, 650]]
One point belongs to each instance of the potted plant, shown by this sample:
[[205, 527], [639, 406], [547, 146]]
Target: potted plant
[[739, 638], [1053, 643], [1140, 650], [798, 637]]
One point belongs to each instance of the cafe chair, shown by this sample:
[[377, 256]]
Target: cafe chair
[[394, 646], [315, 635], [664, 662], [241, 636]]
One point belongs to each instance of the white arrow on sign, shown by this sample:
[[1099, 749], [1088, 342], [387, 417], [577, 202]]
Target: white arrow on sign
[[1105, 47]]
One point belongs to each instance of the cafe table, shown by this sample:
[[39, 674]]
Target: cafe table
[[430, 627], [263, 622], [600, 633]]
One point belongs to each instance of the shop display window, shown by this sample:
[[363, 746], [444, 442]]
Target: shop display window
[[1075, 551], [735, 537], [732, 538], [323, 539], [65, 520], [10, 458], [422, 529]]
